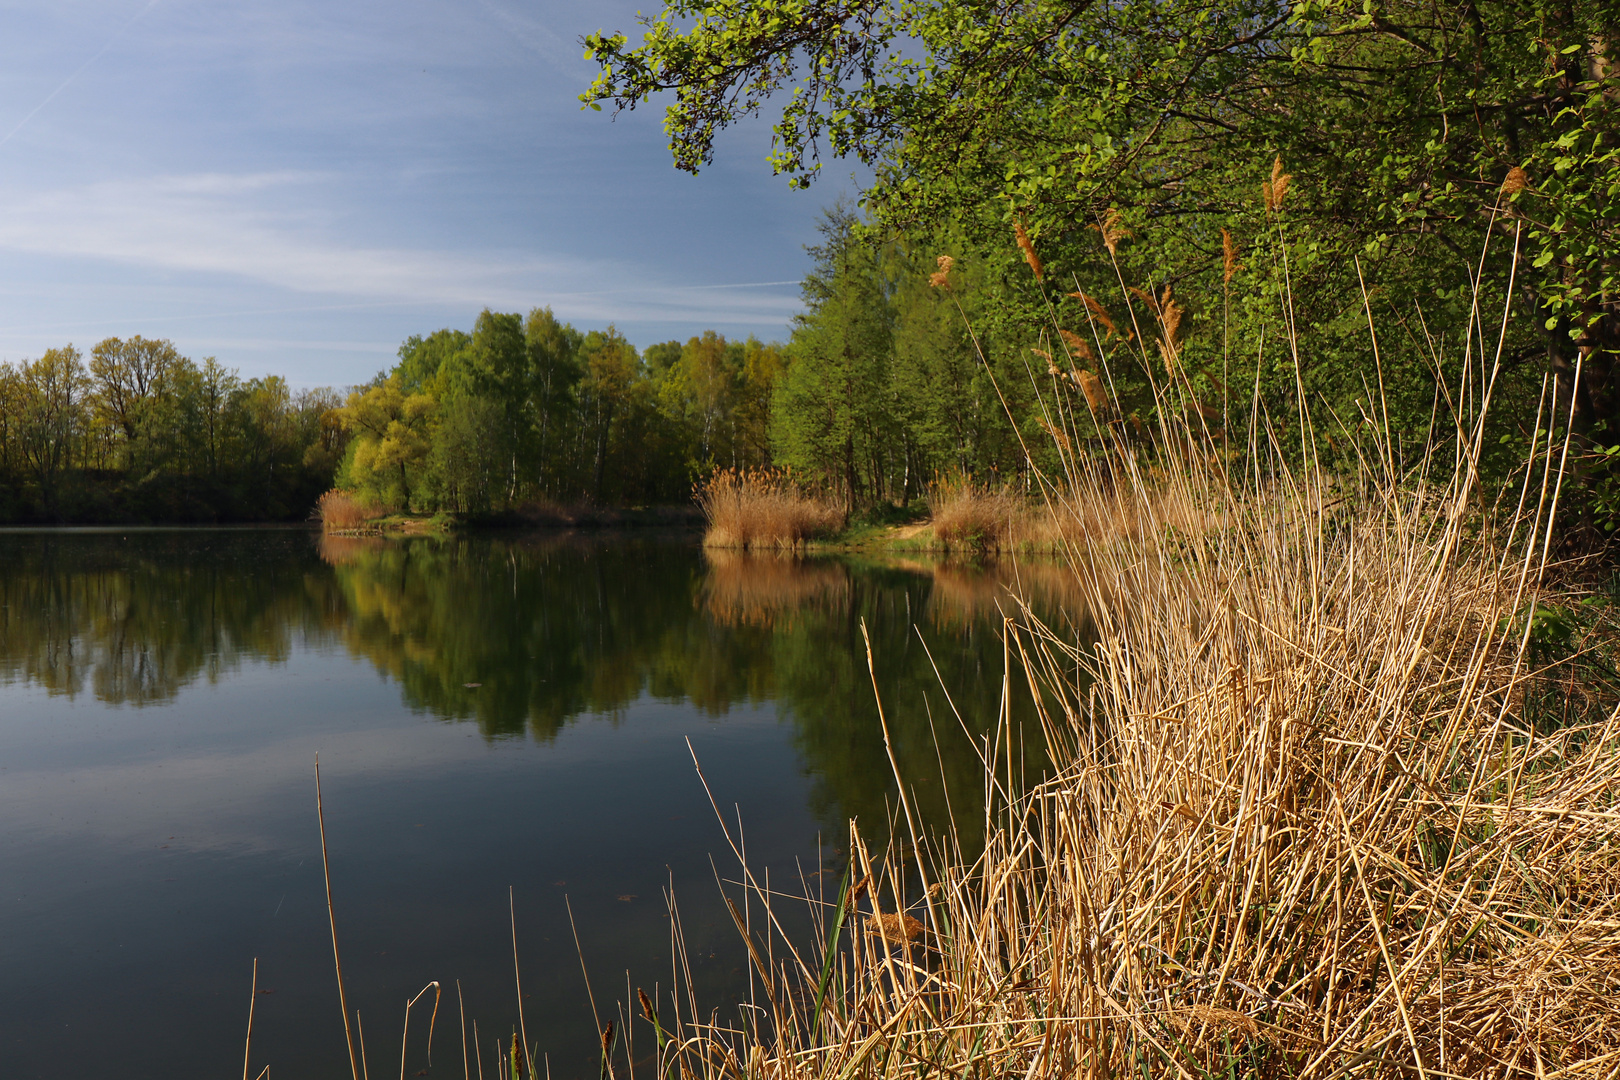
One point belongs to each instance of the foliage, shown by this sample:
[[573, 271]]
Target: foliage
[[525, 411], [141, 433], [1320, 156]]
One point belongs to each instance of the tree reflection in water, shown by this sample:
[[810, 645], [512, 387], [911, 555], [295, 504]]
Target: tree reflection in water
[[524, 633]]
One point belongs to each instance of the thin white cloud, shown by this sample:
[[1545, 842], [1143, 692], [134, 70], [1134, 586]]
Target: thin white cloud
[[245, 226], [536, 36], [205, 223]]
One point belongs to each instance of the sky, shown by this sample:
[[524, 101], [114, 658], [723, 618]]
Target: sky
[[295, 187]]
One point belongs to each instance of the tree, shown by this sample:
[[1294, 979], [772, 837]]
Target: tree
[[611, 371], [762, 367], [131, 380], [495, 366], [554, 373], [1402, 131], [469, 456], [53, 415], [391, 439], [422, 358], [831, 410]]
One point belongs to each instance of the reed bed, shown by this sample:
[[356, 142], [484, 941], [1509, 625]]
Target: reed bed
[[754, 509], [1305, 820], [342, 511], [1301, 828], [967, 515]]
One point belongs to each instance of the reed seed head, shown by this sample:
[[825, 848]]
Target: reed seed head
[[1113, 230], [1092, 387], [1078, 346], [1098, 312], [1028, 246], [895, 928], [1273, 190]]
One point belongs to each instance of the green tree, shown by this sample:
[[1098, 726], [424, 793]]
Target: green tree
[[53, 416], [761, 368], [391, 439], [421, 358], [469, 456], [555, 372], [831, 418], [132, 382], [612, 369], [495, 367]]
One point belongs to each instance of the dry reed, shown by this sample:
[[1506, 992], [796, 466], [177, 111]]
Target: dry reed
[[764, 508], [1301, 823], [343, 511]]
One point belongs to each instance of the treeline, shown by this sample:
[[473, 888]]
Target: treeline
[[1374, 211], [138, 432], [879, 390], [999, 355], [529, 410]]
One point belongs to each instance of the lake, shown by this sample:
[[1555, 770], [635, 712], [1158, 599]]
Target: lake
[[507, 726]]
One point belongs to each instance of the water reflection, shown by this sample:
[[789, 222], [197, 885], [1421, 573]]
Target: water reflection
[[159, 837], [133, 619], [523, 634]]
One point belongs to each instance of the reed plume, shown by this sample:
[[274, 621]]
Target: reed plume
[[1272, 191], [1229, 254], [1098, 312], [1079, 347], [1028, 247], [1113, 230]]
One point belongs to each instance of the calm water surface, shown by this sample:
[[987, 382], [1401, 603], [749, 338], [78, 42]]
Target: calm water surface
[[490, 713]]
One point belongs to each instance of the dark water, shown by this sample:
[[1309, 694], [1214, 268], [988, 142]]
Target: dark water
[[490, 713]]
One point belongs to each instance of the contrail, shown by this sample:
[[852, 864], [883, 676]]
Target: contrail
[[65, 82]]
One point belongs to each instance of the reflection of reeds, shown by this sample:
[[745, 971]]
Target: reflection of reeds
[[349, 550], [745, 589], [964, 594]]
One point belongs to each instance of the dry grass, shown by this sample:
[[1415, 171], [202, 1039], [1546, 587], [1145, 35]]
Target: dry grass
[[341, 511], [970, 516], [1301, 826], [1300, 831], [974, 516], [764, 509]]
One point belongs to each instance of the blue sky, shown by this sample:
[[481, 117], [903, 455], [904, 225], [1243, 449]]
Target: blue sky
[[294, 187]]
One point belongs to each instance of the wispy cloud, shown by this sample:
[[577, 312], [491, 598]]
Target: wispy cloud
[[247, 226]]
